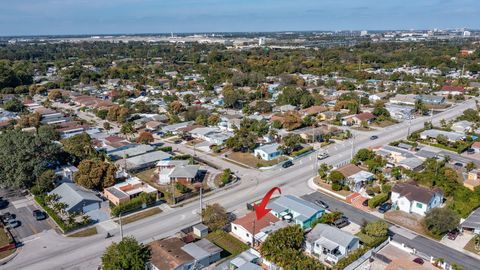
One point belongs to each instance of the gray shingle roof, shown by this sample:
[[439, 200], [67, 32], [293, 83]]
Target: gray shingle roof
[[269, 148], [331, 234], [72, 194], [304, 208], [472, 221]]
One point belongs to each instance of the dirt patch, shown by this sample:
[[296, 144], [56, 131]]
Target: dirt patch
[[408, 220]]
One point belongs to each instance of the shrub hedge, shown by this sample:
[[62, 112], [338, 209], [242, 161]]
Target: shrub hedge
[[377, 200], [134, 204]]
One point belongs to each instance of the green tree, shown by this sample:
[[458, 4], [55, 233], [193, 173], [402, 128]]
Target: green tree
[[79, 146], [48, 132], [45, 183], [127, 129], [95, 174], [126, 254], [363, 155], [439, 221], [335, 177], [214, 216], [24, 157], [13, 105]]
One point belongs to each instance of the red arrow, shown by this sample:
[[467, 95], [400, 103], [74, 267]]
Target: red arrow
[[261, 210]]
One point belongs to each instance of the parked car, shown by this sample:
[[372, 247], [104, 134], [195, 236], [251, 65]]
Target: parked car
[[7, 216], [452, 235], [458, 165], [419, 261], [177, 141], [39, 215], [384, 207], [323, 156], [470, 151], [341, 222], [287, 164], [12, 223], [3, 203], [373, 137], [365, 203], [321, 204]]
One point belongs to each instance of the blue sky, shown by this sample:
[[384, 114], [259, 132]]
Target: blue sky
[[39, 17]]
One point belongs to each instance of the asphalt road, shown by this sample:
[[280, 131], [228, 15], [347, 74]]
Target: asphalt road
[[51, 251]]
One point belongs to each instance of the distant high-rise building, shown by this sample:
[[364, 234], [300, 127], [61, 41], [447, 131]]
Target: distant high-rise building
[[262, 41], [467, 33], [363, 33]]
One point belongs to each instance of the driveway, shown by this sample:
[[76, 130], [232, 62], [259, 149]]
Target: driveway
[[23, 208]]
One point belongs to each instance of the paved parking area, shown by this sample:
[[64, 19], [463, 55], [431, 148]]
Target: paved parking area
[[23, 208], [459, 243]]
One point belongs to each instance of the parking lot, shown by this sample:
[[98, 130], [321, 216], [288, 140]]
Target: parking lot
[[22, 208]]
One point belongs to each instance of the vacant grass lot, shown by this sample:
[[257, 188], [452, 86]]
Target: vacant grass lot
[[231, 246], [252, 161], [141, 215]]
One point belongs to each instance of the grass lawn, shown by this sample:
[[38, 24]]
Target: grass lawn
[[144, 214], [384, 123], [5, 240], [324, 185], [470, 246], [84, 233], [231, 245], [252, 161]]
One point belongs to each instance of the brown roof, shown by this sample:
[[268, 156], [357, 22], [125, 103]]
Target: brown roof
[[349, 170], [451, 88], [365, 116], [189, 128], [247, 222], [476, 145], [114, 138], [314, 110], [414, 192], [167, 254]]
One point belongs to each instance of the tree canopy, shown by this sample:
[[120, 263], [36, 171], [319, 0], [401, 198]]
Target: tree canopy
[[95, 174], [126, 254], [215, 216], [24, 157]]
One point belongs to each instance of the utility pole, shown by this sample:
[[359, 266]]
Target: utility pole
[[201, 204], [253, 234], [121, 226], [352, 149]]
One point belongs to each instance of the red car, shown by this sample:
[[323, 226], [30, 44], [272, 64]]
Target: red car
[[418, 260], [452, 235]]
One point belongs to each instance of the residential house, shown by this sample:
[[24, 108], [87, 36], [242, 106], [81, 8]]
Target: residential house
[[142, 161], [65, 174], [358, 180], [400, 112], [247, 226], [434, 133], [314, 110], [409, 99], [211, 134], [288, 207], [329, 243], [452, 90], [473, 179], [328, 115], [77, 198], [431, 99], [174, 254], [411, 198], [268, 151], [472, 222], [397, 156], [364, 117], [285, 108], [247, 260], [377, 96], [125, 191], [462, 126], [130, 150], [177, 171], [476, 147]]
